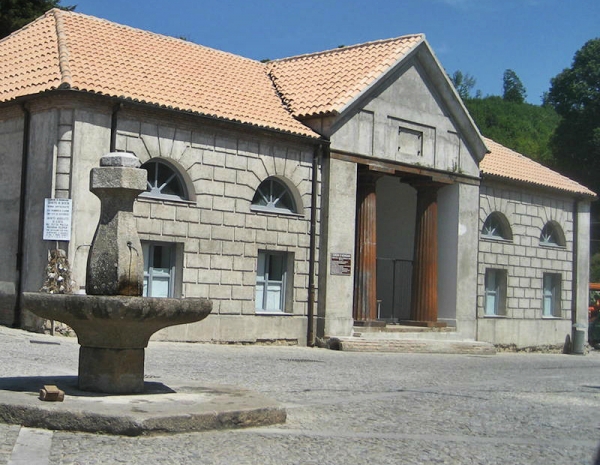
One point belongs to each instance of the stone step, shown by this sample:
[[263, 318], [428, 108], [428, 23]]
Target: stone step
[[417, 346], [408, 335], [403, 329]]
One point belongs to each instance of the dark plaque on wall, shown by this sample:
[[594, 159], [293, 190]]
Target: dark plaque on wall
[[341, 264]]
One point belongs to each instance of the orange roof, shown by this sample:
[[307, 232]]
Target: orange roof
[[71, 50], [74, 51], [508, 164], [328, 81]]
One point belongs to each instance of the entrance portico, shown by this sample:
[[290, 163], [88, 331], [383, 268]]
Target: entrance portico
[[369, 288]]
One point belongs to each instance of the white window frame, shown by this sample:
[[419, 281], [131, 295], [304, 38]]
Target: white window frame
[[494, 298], [267, 286], [551, 295], [155, 275]]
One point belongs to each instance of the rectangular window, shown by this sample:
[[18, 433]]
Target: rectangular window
[[271, 281], [495, 292], [551, 304], [159, 269]]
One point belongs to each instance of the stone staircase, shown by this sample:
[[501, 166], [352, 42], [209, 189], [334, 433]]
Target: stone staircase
[[409, 339]]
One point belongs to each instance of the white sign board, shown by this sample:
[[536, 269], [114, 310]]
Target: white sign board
[[57, 219]]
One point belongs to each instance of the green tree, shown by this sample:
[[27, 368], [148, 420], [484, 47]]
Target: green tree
[[575, 95], [523, 127], [14, 14], [463, 83], [513, 89], [595, 268]]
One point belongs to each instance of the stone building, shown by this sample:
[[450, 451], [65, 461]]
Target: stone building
[[533, 251], [303, 196]]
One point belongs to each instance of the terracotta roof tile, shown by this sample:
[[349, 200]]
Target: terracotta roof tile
[[29, 60], [71, 50], [508, 164], [326, 82], [94, 55]]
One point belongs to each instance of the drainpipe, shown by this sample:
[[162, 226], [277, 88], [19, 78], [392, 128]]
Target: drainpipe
[[575, 262], [310, 336], [21, 227], [578, 335], [113, 126]]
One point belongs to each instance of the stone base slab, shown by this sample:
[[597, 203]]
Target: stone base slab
[[416, 346], [178, 407]]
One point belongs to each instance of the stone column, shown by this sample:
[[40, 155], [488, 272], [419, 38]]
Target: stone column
[[424, 304], [365, 276]]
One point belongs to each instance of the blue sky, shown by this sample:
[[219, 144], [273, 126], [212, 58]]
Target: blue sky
[[535, 38]]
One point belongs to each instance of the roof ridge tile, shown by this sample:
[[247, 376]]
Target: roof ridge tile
[[348, 48], [63, 50]]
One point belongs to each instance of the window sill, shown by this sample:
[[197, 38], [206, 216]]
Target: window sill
[[495, 316], [269, 211], [553, 246], [496, 239], [148, 198], [264, 313]]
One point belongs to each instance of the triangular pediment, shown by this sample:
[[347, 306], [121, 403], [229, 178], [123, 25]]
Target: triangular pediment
[[411, 115]]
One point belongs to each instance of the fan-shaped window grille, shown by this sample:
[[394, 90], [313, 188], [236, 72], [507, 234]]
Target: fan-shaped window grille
[[164, 182], [552, 235], [496, 227], [274, 196]]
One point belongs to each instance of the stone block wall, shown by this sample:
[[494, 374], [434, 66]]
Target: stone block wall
[[525, 261], [218, 233]]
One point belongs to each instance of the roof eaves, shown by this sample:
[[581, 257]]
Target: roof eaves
[[316, 114], [306, 134], [583, 192]]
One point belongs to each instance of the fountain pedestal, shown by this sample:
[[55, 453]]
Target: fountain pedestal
[[113, 371], [113, 322]]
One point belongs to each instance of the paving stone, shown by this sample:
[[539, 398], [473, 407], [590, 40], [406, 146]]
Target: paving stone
[[349, 407]]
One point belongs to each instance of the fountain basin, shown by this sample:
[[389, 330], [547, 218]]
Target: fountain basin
[[113, 332]]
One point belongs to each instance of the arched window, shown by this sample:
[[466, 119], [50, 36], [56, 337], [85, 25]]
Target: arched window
[[164, 182], [552, 235], [496, 227], [274, 196]]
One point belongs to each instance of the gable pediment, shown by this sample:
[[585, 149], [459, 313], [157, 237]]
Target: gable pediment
[[411, 115]]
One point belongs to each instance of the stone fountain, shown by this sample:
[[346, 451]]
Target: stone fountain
[[113, 322]]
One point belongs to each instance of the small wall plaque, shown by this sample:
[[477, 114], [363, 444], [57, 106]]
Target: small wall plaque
[[341, 264]]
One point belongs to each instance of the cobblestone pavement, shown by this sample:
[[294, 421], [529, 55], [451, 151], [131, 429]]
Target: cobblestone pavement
[[350, 408]]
